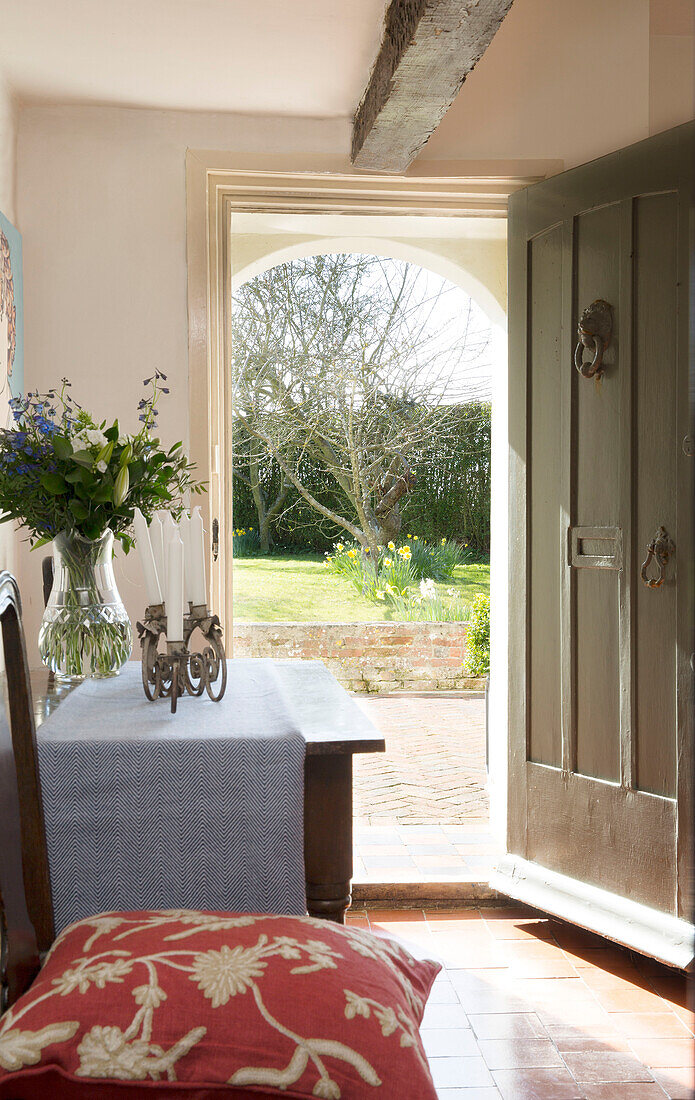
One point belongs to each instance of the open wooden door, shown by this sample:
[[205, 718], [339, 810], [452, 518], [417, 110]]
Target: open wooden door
[[600, 654]]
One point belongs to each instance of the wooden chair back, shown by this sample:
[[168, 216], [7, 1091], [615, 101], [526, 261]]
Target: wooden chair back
[[26, 910]]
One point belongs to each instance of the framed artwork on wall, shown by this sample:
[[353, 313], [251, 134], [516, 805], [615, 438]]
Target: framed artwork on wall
[[11, 312]]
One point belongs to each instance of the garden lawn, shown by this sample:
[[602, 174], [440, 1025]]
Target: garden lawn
[[301, 589]]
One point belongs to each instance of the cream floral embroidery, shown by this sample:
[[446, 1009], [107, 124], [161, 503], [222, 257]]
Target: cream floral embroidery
[[103, 923], [390, 953], [24, 1048], [87, 973], [220, 974], [200, 922], [108, 1052], [390, 1020]]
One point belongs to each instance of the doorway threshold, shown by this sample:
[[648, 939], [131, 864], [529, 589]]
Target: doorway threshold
[[430, 853], [432, 895]]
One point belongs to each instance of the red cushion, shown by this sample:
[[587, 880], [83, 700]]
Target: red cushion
[[205, 1005]]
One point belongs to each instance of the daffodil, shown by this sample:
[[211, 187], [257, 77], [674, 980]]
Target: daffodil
[[410, 536], [339, 546], [388, 561], [366, 549], [415, 538], [379, 594], [391, 546], [352, 553], [443, 542]]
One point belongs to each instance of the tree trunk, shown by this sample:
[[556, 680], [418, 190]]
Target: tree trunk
[[265, 535]]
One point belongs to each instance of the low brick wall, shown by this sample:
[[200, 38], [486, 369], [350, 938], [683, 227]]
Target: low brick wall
[[368, 656]]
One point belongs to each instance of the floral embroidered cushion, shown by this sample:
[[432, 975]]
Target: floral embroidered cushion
[[214, 1004]]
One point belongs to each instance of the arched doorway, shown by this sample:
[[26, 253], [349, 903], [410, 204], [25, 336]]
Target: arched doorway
[[472, 285]]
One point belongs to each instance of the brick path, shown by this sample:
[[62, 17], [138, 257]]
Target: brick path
[[433, 770], [421, 808]]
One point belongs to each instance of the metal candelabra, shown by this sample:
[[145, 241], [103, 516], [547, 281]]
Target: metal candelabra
[[167, 675]]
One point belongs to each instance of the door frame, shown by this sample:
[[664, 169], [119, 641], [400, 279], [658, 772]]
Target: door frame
[[218, 184]]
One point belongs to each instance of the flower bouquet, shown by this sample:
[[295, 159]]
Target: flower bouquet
[[77, 483]]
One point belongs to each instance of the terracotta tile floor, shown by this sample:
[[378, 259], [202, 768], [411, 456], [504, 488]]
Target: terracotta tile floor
[[530, 1008], [421, 808]]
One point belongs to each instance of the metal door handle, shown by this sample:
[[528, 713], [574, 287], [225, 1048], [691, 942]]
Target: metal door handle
[[595, 329], [659, 550], [215, 539]]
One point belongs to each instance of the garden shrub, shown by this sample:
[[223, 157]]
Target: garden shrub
[[478, 639], [395, 580]]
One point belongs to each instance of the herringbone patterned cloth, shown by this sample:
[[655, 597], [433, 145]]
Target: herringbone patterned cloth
[[148, 810]]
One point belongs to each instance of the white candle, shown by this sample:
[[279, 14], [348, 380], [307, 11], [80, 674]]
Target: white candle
[[185, 532], [169, 530], [149, 567], [199, 592], [174, 590], [157, 542]]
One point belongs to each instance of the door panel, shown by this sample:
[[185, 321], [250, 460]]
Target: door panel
[[596, 494], [599, 768], [545, 569], [580, 811], [656, 456]]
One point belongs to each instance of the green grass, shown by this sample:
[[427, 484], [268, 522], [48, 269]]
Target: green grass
[[301, 589]]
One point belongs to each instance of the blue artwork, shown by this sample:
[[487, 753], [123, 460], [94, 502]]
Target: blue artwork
[[11, 312]]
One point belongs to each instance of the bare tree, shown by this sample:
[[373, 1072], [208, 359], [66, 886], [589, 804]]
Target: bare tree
[[355, 362]]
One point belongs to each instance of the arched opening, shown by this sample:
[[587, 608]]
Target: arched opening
[[372, 780]]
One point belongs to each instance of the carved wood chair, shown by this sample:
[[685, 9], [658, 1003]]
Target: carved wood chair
[[27, 929], [79, 1048]]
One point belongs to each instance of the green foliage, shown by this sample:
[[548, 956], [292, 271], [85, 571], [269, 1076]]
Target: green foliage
[[478, 639], [399, 568], [427, 604], [245, 542], [450, 499], [60, 471], [283, 587]]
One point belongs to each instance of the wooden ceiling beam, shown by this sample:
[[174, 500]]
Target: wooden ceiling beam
[[428, 49]]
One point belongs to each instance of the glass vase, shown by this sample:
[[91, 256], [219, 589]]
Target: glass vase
[[85, 631]]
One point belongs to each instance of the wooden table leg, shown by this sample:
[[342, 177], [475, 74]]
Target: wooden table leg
[[328, 834]]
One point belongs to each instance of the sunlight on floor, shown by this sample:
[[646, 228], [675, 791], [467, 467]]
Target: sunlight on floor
[[421, 808]]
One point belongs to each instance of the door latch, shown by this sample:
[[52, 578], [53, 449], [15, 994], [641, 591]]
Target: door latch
[[659, 550], [215, 539]]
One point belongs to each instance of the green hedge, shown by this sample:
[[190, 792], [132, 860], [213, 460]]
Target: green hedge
[[451, 498]]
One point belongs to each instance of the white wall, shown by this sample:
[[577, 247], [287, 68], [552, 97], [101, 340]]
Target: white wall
[[101, 204], [8, 128], [101, 191], [8, 132], [574, 80]]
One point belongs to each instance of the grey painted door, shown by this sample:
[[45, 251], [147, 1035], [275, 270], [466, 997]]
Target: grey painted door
[[600, 664]]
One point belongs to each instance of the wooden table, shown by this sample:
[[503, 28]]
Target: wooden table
[[335, 729]]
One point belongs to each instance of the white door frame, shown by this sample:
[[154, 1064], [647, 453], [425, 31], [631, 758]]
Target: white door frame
[[219, 184]]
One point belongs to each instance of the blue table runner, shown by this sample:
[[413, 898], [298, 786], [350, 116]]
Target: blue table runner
[[198, 810]]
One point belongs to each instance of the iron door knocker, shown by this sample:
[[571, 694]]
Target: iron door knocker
[[595, 329]]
